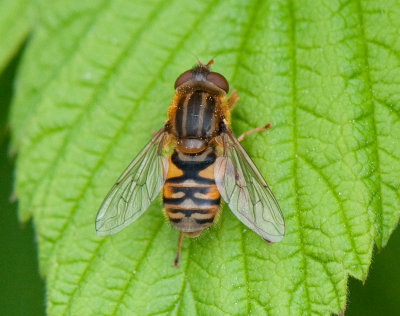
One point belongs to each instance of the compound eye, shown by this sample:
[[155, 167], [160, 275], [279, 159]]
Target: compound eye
[[186, 76], [219, 80]]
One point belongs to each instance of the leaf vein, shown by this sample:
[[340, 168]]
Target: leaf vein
[[293, 66], [364, 53], [91, 103], [67, 139], [33, 105], [124, 290], [339, 202]]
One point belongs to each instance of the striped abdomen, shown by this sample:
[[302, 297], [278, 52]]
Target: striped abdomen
[[191, 198]]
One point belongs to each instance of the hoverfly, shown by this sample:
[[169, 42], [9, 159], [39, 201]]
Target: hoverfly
[[205, 162]]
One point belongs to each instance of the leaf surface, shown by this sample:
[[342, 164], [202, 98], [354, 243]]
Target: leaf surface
[[324, 73], [15, 22]]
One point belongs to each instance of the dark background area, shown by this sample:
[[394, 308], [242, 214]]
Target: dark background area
[[22, 290]]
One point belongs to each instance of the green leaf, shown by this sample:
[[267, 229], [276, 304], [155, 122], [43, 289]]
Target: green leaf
[[97, 78], [15, 22]]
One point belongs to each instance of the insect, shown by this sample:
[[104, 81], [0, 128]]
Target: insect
[[204, 163]]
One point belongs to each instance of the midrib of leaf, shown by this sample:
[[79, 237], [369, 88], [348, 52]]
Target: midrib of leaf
[[243, 42], [246, 277], [178, 303], [293, 74]]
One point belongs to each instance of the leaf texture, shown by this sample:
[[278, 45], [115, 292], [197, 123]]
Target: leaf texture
[[97, 78]]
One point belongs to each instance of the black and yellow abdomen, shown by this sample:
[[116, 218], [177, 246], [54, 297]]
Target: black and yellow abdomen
[[190, 195]]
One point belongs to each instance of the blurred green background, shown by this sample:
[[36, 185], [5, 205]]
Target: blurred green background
[[22, 290]]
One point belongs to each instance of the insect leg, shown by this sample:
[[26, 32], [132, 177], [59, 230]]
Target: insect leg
[[178, 252], [255, 130], [232, 99]]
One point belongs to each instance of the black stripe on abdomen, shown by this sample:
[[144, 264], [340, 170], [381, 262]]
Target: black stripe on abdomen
[[190, 200], [187, 212], [197, 201], [191, 168], [203, 221]]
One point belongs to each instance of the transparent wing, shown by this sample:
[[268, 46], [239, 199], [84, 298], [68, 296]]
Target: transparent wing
[[136, 188], [245, 191]]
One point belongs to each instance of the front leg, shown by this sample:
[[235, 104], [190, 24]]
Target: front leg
[[255, 130], [232, 99]]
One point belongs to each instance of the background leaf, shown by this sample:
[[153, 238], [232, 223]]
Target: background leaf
[[22, 290], [323, 73], [15, 22]]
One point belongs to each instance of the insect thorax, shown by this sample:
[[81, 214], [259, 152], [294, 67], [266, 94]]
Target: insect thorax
[[195, 120]]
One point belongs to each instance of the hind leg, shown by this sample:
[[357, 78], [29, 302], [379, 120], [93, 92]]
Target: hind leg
[[178, 252]]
